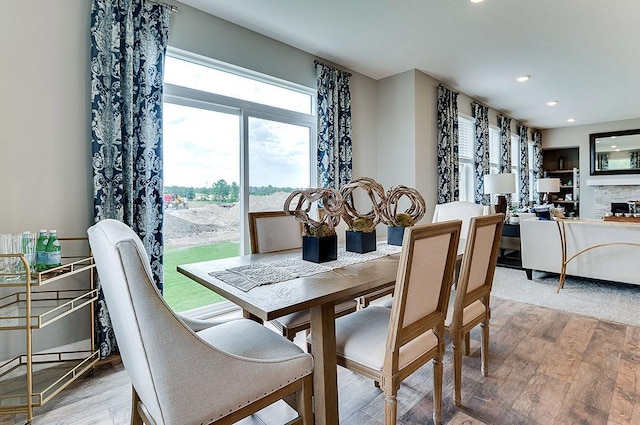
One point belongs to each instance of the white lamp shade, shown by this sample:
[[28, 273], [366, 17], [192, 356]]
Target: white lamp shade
[[549, 185], [499, 183]]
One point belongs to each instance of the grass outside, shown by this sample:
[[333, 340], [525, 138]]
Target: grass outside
[[182, 293]]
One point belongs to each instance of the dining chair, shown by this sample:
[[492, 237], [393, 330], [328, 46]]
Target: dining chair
[[275, 231], [459, 210], [469, 304], [217, 375], [388, 345]]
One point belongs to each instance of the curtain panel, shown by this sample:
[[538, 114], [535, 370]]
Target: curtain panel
[[481, 162], [537, 162], [634, 159], [448, 148], [523, 137], [334, 127], [128, 46], [504, 123], [603, 161]]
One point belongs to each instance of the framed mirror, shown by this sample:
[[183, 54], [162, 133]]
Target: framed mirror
[[615, 152]]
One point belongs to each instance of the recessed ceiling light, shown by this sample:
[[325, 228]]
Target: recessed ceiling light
[[613, 137], [571, 120], [613, 146], [477, 1], [552, 102], [523, 78]]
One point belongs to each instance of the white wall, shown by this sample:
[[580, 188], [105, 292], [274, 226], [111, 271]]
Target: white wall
[[578, 136]]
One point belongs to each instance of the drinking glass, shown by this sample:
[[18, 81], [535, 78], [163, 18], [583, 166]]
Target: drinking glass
[[11, 244]]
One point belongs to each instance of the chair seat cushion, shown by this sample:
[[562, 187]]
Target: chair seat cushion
[[300, 318], [246, 338], [471, 311], [362, 336]]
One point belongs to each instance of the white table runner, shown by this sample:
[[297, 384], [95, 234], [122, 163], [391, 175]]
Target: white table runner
[[250, 276]]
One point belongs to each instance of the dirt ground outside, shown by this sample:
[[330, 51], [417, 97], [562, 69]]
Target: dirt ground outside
[[204, 223]]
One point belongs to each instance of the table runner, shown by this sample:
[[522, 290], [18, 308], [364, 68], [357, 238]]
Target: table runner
[[250, 276]]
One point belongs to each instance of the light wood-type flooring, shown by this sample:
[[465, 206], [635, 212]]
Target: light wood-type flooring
[[546, 367]]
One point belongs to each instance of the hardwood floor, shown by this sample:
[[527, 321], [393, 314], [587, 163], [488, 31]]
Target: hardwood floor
[[546, 367]]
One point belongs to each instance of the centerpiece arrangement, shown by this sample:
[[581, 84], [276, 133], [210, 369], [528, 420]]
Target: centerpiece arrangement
[[398, 220], [361, 227], [319, 240]]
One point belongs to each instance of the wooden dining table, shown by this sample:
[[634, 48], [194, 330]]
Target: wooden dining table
[[319, 293]]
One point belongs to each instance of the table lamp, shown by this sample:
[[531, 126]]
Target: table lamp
[[500, 184], [547, 186]]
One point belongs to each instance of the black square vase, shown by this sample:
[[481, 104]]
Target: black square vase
[[361, 242], [320, 250], [395, 235]]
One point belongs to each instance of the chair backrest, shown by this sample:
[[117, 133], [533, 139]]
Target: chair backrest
[[459, 210], [274, 231], [423, 282], [478, 264], [140, 317]]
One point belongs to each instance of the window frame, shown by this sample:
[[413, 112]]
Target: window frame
[[244, 110]]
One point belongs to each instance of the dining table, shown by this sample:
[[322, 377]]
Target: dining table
[[318, 292]]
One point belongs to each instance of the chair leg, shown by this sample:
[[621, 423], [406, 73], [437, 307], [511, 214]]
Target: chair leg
[[484, 348], [136, 419], [456, 342], [305, 401], [437, 388], [390, 407], [467, 344]]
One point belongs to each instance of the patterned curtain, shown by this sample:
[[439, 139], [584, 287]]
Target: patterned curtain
[[634, 159], [128, 45], [334, 127], [505, 148], [448, 163], [523, 136], [603, 161], [481, 115], [537, 162]]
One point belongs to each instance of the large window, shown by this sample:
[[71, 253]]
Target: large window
[[466, 134], [234, 141]]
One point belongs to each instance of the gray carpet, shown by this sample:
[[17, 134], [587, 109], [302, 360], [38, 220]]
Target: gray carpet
[[604, 300]]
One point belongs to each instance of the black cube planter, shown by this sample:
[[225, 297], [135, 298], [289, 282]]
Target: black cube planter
[[361, 242], [320, 250], [395, 235]]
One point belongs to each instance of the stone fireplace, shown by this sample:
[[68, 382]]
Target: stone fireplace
[[605, 195]]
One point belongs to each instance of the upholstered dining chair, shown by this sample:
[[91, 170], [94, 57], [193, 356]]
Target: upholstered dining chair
[[217, 375], [275, 231], [388, 345], [470, 302], [459, 210]]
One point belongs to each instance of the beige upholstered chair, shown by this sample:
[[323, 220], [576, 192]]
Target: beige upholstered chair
[[459, 210], [217, 375], [470, 302], [276, 231], [388, 345]]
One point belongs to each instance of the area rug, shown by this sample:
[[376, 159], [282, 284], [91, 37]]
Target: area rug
[[610, 301]]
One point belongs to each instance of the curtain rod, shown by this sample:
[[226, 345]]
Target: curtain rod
[[161, 3], [317, 62]]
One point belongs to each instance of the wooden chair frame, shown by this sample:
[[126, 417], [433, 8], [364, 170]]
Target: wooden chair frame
[[458, 330]]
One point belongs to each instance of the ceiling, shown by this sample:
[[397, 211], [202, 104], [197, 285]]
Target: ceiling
[[585, 54]]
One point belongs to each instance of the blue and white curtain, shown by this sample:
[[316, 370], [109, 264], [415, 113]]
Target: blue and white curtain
[[537, 162], [603, 161], [448, 150], [504, 123], [481, 116], [334, 127], [634, 159], [128, 46], [523, 138]]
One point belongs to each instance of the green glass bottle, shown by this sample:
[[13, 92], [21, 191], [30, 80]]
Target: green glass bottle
[[54, 256], [41, 250]]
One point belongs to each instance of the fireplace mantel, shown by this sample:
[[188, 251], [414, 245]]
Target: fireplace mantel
[[614, 182]]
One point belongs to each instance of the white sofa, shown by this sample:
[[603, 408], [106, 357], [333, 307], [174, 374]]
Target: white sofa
[[541, 249]]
